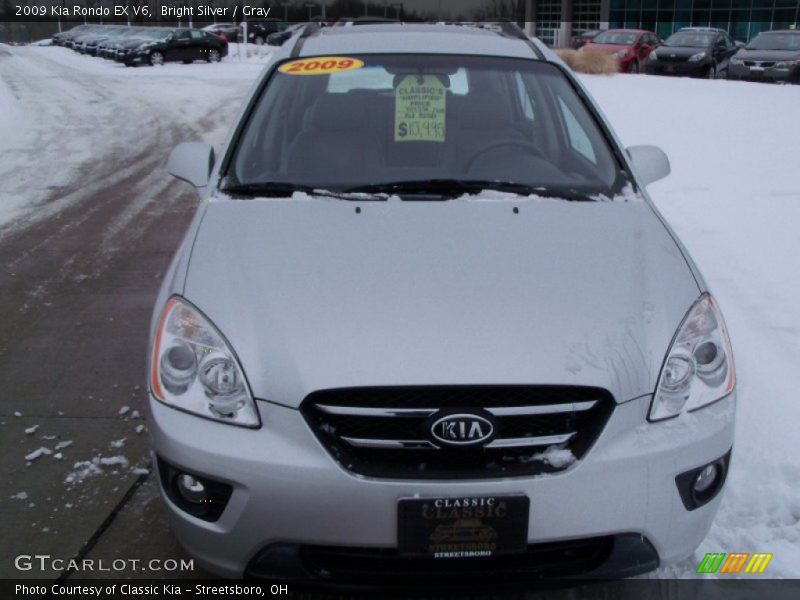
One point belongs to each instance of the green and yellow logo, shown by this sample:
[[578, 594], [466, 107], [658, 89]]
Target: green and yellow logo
[[734, 563]]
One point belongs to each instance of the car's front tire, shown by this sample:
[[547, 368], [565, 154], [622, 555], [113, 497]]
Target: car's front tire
[[633, 67], [157, 58], [711, 72], [214, 55], [259, 41]]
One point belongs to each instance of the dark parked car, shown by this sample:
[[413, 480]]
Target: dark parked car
[[91, 43], [770, 56], [631, 47], [230, 31], [76, 42], [108, 47], [259, 30], [581, 39], [60, 38], [65, 38], [693, 52], [185, 45]]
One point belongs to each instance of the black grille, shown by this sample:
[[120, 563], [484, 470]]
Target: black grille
[[559, 559], [457, 462]]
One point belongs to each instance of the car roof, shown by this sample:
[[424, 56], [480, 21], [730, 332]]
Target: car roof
[[415, 39], [781, 31]]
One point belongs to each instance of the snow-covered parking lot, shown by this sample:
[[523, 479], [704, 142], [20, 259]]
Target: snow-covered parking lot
[[82, 142]]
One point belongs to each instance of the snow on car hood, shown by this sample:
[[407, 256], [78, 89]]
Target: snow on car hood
[[315, 295]]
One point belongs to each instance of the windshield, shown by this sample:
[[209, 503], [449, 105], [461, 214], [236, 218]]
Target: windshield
[[616, 38], [690, 39], [776, 41], [375, 122]]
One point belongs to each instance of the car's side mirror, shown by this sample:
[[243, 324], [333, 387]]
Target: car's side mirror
[[192, 162], [740, 45], [649, 162]]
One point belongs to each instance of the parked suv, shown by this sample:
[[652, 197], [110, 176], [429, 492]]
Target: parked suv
[[427, 325], [694, 51], [770, 56]]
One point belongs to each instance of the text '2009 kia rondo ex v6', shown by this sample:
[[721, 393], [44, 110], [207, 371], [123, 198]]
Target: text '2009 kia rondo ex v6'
[[427, 325]]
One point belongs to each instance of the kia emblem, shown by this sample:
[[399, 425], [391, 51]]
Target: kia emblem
[[462, 429]]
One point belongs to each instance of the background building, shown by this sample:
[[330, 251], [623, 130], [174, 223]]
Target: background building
[[556, 21]]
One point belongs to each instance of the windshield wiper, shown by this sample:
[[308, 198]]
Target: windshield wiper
[[277, 189], [453, 188]]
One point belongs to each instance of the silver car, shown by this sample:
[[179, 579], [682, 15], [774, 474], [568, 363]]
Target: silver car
[[427, 324]]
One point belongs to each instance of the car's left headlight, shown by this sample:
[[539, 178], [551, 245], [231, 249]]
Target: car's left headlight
[[737, 61], [193, 368], [698, 369], [697, 57], [787, 64], [653, 55]]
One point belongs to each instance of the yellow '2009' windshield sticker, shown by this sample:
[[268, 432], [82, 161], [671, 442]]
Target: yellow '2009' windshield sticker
[[420, 105], [321, 65]]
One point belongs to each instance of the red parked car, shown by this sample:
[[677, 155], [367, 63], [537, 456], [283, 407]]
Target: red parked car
[[630, 47]]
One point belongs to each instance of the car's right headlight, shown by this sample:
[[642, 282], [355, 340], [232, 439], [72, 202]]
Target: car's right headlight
[[737, 61], [698, 369], [193, 368]]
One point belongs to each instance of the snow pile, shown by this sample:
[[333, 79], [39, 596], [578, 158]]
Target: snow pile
[[91, 468], [37, 453], [555, 456]]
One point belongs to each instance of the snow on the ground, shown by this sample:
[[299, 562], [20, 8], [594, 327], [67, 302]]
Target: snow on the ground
[[734, 200], [65, 114]]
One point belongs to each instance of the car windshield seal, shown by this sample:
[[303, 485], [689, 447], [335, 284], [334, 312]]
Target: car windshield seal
[[277, 189], [453, 188]]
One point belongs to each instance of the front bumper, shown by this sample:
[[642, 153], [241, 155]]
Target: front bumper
[[289, 492], [770, 75], [679, 68]]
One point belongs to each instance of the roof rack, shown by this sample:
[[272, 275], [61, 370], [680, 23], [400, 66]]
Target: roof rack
[[505, 28], [307, 32]]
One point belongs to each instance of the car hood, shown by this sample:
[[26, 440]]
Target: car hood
[[768, 55], [314, 295], [606, 48], [678, 51]]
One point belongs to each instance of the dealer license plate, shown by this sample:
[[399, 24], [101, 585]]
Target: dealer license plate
[[478, 526]]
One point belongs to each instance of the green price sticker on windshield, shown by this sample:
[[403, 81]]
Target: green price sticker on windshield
[[420, 108]]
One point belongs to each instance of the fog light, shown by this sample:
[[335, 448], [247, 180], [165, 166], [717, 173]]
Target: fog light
[[701, 485], [191, 489], [198, 495], [705, 478]]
